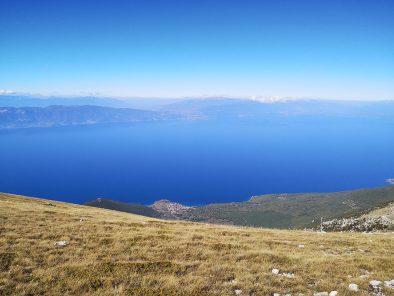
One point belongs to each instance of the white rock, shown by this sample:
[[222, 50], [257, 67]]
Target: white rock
[[353, 287], [233, 281], [320, 294], [301, 246], [61, 243], [389, 284], [288, 275], [238, 292], [275, 271], [333, 293], [287, 294], [276, 294], [375, 283]]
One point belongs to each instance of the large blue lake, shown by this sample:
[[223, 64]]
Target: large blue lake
[[195, 162]]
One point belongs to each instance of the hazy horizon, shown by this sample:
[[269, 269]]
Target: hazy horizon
[[260, 98], [341, 50]]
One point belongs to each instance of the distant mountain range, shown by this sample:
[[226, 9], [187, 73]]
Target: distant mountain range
[[20, 100], [272, 210], [25, 117], [222, 108], [25, 111]]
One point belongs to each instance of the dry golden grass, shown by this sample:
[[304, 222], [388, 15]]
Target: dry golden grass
[[113, 253]]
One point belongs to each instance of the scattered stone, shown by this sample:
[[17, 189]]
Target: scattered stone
[[375, 289], [333, 293], [288, 275], [375, 283], [320, 294], [61, 243], [275, 271], [353, 287], [233, 281], [238, 292], [389, 284], [285, 274]]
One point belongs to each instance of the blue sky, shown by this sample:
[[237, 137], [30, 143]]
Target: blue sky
[[310, 49]]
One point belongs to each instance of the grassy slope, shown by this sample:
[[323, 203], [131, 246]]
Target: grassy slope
[[298, 210], [114, 253], [123, 207]]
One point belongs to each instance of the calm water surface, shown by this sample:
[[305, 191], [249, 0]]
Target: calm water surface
[[195, 162]]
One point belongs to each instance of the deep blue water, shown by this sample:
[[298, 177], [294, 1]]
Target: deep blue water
[[195, 162]]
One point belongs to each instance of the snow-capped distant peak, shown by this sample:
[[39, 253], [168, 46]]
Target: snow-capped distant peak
[[6, 92], [269, 99]]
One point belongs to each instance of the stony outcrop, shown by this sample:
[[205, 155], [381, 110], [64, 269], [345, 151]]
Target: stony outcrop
[[362, 224]]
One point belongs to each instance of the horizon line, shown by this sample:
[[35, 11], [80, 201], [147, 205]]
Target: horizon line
[[258, 98]]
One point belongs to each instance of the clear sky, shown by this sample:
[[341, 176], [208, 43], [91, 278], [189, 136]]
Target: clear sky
[[315, 49]]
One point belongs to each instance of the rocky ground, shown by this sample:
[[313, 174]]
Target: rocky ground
[[381, 219]]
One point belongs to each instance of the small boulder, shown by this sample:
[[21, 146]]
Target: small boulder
[[333, 293], [375, 289], [353, 287], [375, 283], [301, 246], [275, 271], [389, 284], [320, 294], [61, 243], [288, 275], [238, 292]]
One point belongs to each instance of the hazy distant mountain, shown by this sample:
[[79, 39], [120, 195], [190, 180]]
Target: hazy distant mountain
[[24, 117], [16, 100], [41, 112], [225, 108]]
